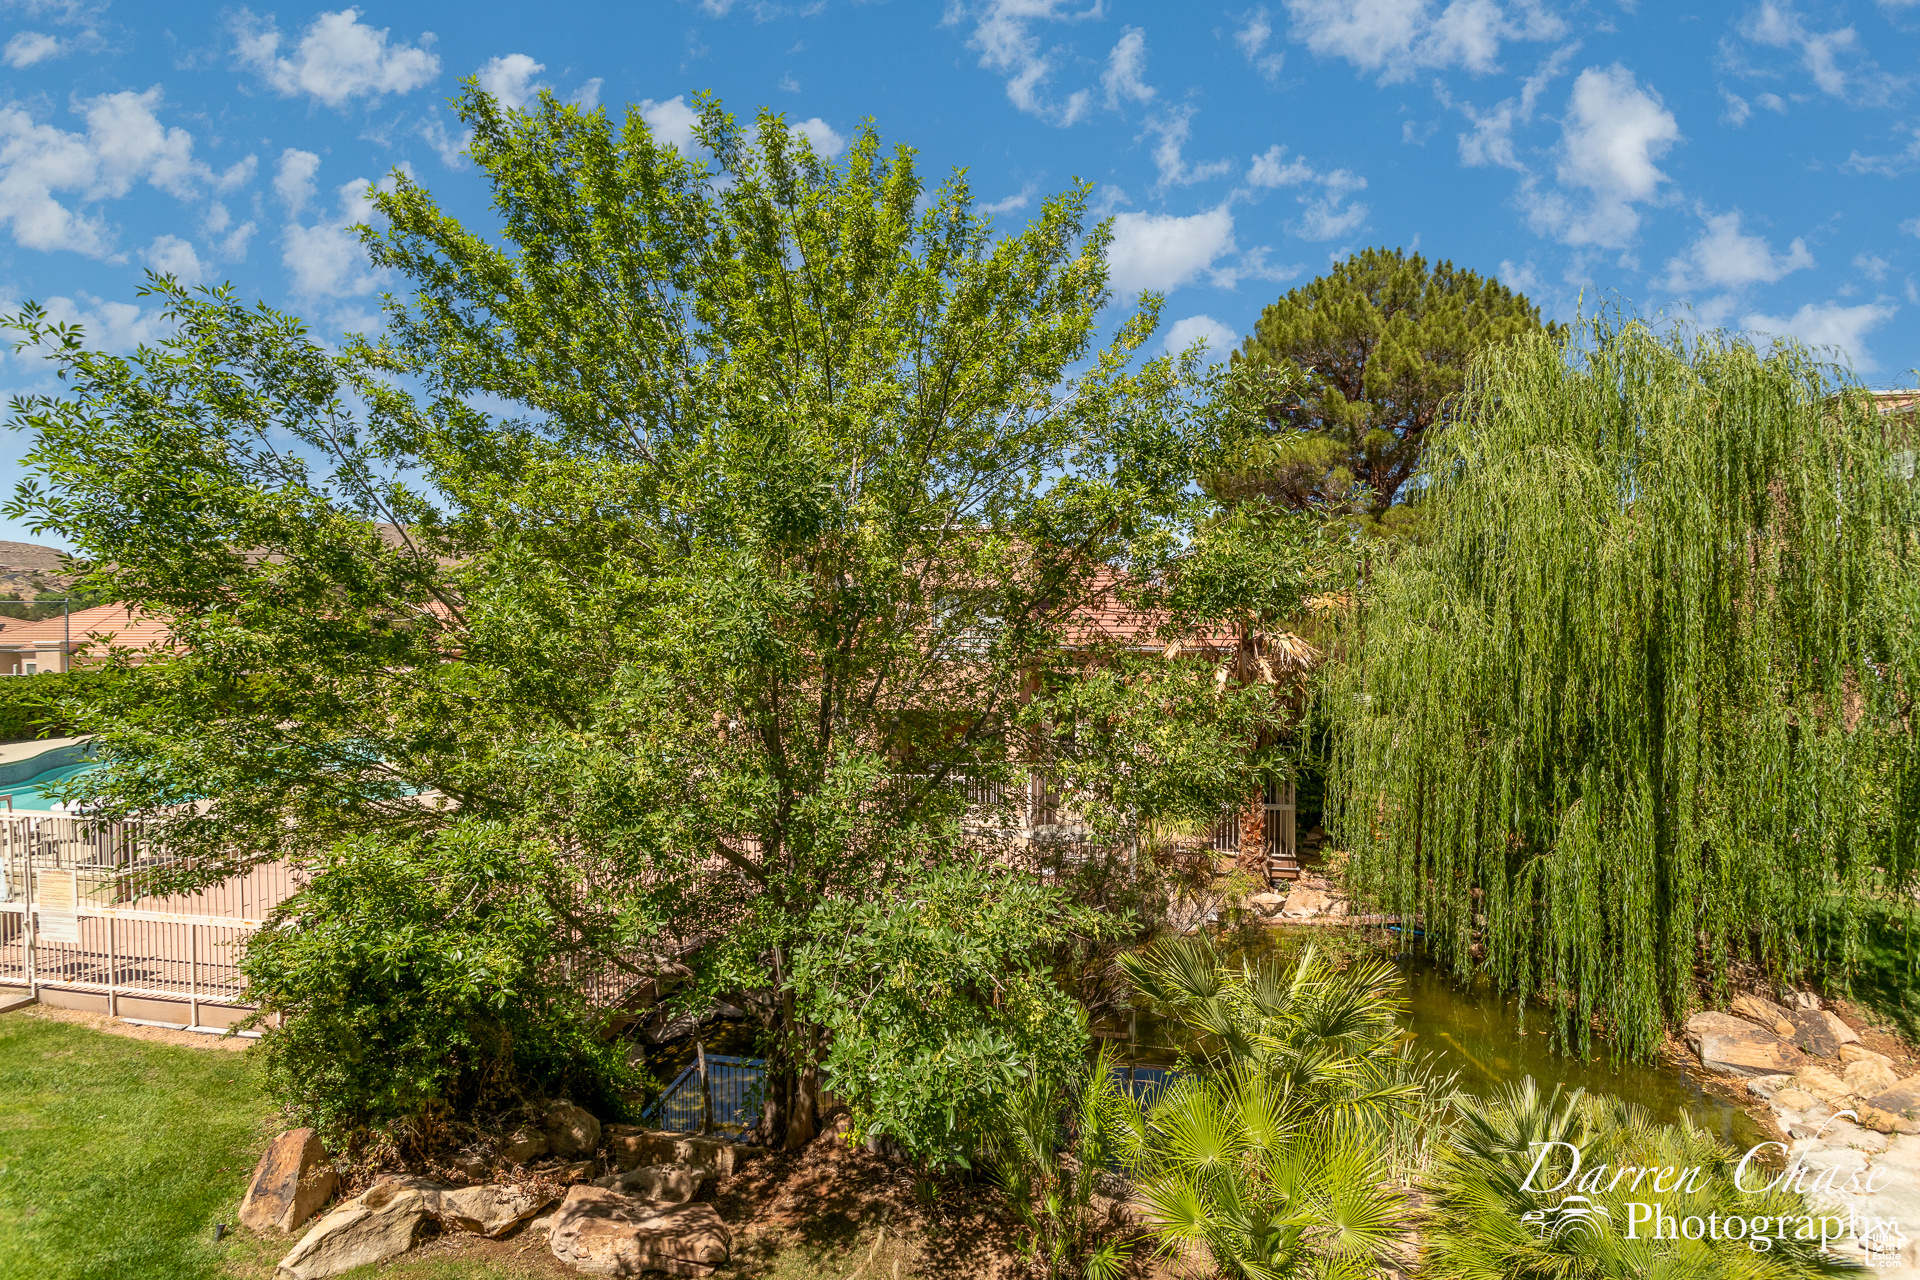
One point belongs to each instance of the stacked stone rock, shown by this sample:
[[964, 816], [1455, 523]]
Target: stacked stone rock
[[640, 1217], [1810, 1049]]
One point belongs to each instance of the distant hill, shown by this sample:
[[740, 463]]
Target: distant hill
[[31, 557]]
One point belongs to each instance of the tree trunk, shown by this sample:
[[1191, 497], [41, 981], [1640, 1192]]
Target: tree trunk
[[1252, 857]]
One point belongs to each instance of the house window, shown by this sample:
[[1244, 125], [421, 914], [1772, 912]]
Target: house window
[[32, 669]]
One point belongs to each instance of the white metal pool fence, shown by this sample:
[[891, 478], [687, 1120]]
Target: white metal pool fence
[[82, 925], [81, 912]]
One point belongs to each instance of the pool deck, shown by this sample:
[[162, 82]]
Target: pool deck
[[14, 752]]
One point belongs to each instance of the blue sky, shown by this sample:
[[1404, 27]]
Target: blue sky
[[1757, 162]]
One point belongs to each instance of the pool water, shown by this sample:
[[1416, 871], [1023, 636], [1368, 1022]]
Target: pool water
[[30, 795]]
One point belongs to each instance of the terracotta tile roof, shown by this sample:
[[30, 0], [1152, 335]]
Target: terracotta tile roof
[[127, 629]]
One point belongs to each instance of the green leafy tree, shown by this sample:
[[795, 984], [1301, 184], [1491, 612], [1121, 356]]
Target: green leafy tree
[[1361, 364], [1638, 710], [714, 528]]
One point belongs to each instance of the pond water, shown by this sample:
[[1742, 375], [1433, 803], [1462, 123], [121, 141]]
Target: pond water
[[1475, 1033]]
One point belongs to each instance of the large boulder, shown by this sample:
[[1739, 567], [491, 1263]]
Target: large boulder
[[382, 1222], [571, 1131], [1824, 1085], [630, 1148], [523, 1145], [1903, 1099], [1305, 902], [292, 1180], [490, 1210], [1759, 1009], [1852, 1053], [1813, 1032], [602, 1231], [1867, 1077], [1735, 1047], [661, 1184]]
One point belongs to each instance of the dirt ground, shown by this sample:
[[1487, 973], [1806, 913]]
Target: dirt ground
[[120, 1027]]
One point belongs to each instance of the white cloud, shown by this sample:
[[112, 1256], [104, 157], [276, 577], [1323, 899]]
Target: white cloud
[[1397, 38], [1172, 127], [587, 96], [124, 144], [672, 122], [29, 47], [232, 245], [327, 259], [1611, 135], [1164, 251], [1871, 265], [1219, 338], [1009, 204], [1724, 257], [1893, 165], [170, 255], [1255, 31], [336, 59], [1520, 277], [293, 180], [116, 327], [1491, 142], [1773, 102], [1911, 226], [821, 135], [451, 147], [511, 79], [1327, 215], [1829, 325], [1003, 34], [1835, 59], [1125, 67]]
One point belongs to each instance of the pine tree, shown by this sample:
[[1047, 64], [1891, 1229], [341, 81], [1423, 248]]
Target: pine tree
[[1383, 341]]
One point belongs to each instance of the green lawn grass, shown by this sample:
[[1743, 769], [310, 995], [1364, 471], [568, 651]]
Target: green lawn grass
[[117, 1156]]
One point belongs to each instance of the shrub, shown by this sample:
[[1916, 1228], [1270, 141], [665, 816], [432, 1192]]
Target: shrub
[[33, 706], [1487, 1220], [423, 978], [939, 1004]]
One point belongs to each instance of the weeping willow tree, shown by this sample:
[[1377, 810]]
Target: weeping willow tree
[[1638, 710]]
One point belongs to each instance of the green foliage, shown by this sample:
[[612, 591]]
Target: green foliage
[[1363, 363], [1641, 701], [939, 1004], [420, 979], [49, 705], [1054, 1136], [1274, 1155], [800, 473], [1489, 1215]]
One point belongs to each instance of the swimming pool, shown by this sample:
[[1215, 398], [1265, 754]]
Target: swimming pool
[[24, 783]]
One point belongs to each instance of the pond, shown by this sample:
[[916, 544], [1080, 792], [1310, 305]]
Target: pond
[[1475, 1033]]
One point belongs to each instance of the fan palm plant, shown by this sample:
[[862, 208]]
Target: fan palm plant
[[1054, 1138], [1272, 1156], [1487, 1219]]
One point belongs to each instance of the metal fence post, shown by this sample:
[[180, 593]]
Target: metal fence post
[[193, 972], [113, 972], [29, 935], [706, 1092]]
